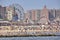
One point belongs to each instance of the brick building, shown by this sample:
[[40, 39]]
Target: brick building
[[2, 13]]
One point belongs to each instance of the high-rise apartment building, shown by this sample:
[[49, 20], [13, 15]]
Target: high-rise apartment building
[[57, 15], [2, 13], [34, 15], [9, 14], [52, 14]]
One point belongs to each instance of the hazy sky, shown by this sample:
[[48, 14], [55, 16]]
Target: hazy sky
[[32, 4]]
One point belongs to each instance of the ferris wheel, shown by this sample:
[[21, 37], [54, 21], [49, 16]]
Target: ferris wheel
[[18, 12]]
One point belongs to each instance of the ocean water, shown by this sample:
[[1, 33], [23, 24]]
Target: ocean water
[[31, 38]]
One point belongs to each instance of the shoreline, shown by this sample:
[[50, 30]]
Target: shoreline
[[28, 35]]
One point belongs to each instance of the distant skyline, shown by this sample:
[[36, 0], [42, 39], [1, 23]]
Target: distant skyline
[[33, 4]]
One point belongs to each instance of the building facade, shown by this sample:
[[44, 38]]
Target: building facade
[[16, 13], [44, 15], [34, 15], [52, 14], [2, 13], [9, 14]]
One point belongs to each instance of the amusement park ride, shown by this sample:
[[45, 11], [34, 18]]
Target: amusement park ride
[[16, 16]]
